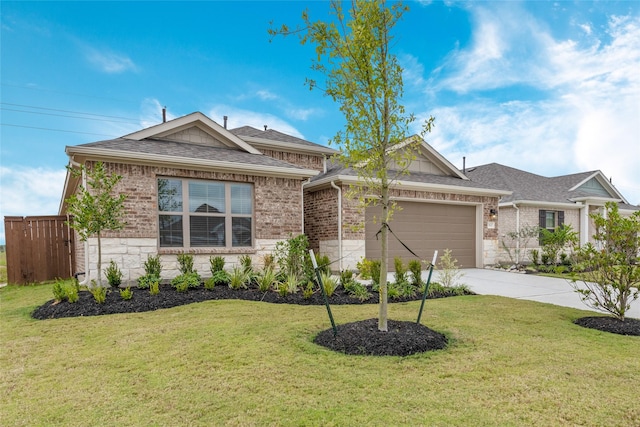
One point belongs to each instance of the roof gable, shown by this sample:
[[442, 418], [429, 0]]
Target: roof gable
[[429, 161], [195, 128]]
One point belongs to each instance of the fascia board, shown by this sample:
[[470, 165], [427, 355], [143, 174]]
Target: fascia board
[[211, 127], [446, 163], [418, 186], [261, 142], [600, 201], [70, 183], [189, 163], [541, 203]]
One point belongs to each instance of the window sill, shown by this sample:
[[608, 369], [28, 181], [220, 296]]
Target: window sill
[[207, 251]]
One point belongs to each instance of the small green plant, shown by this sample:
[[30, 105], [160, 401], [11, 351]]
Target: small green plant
[[59, 291], [216, 263], [323, 263], [185, 262], [268, 261], [246, 263], [113, 273], [308, 291], [450, 274], [292, 257], [144, 282], [359, 291], [400, 271], [290, 285], [152, 266], [220, 277], [329, 283], [238, 278], [393, 291], [375, 272], [436, 288], [266, 279], [364, 268], [184, 281], [73, 292], [154, 287], [535, 256], [415, 267], [99, 292], [126, 293]]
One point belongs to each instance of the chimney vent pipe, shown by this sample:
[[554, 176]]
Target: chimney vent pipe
[[464, 165], [164, 114], [225, 121]]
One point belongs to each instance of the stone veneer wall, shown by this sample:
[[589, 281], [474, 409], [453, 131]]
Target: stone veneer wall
[[277, 216]]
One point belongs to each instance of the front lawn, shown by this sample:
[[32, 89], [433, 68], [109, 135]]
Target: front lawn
[[231, 362]]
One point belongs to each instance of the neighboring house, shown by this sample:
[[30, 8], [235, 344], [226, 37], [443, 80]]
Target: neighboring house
[[195, 186], [548, 202]]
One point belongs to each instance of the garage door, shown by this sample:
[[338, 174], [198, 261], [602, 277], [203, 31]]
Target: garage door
[[426, 227]]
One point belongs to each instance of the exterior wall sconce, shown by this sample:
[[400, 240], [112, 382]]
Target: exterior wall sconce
[[493, 213]]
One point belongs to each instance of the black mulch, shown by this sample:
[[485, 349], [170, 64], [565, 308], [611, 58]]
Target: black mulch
[[611, 324], [364, 338], [402, 338]]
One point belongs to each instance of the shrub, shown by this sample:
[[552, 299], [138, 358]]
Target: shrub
[[126, 293], [59, 291], [359, 291], [216, 263], [268, 261], [400, 271], [144, 282], [535, 256], [308, 290], [415, 267], [364, 267], [292, 257], [220, 277], [329, 283], [553, 242], [289, 285], [185, 262], [375, 271], [450, 274], [113, 273], [246, 263], [99, 293], [238, 278], [611, 271], [73, 292], [185, 281], [266, 280], [152, 266], [323, 264], [393, 291], [154, 287]]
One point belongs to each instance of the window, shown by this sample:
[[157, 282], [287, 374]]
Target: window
[[204, 213], [551, 220]]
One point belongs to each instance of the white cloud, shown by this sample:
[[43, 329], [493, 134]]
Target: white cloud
[[266, 95], [239, 117], [151, 113], [585, 112], [108, 61], [29, 191]]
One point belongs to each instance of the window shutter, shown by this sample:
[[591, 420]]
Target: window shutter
[[542, 224], [560, 218]]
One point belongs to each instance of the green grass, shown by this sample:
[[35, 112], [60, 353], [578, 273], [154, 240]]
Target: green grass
[[511, 363], [3, 267]]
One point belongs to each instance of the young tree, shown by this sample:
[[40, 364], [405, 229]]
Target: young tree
[[94, 208], [365, 78], [611, 266]]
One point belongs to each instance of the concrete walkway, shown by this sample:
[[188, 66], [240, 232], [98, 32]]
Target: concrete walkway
[[529, 287]]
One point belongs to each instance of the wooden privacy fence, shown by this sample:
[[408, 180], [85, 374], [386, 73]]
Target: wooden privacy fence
[[39, 248]]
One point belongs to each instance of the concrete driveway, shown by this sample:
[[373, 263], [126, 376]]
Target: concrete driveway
[[529, 287]]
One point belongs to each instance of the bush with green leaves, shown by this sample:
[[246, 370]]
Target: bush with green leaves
[[400, 271], [290, 285], [562, 238], [154, 287], [216, 264], [238, 278], [329, 283], [449, 272], [415, 267], [152, 266], [324, 263], [184, 281], [185, 263], [610, 281], [393, 291], [292, 257], [59, 291], [99, 292], [308, 291], [145, 282], [113, 274], [126, 293], [359, 291], [220, 277], [266, 280]]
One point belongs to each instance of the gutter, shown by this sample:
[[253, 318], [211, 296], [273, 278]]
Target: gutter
[[333, 184]]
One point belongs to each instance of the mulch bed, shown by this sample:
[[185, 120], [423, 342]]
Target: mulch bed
[[611, 324]]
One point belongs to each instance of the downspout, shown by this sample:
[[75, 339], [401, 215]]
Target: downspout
[[517, 230], [584, 224], [333, 184], [86, 242]]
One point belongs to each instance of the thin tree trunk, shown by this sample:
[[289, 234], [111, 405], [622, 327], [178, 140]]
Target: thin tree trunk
[[384, 251], [99, 261]]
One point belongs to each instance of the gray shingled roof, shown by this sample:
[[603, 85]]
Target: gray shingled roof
[[188, 150], [272, 135], [335, 169], [529, 186]]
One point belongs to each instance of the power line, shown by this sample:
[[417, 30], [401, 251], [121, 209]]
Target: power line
[[65, 115], [67, 93], [56, 130], [66, 111]]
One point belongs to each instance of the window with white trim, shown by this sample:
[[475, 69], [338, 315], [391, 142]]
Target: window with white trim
[[198, 213]]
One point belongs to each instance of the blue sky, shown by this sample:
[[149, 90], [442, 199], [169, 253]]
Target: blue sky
[[546, 86]]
